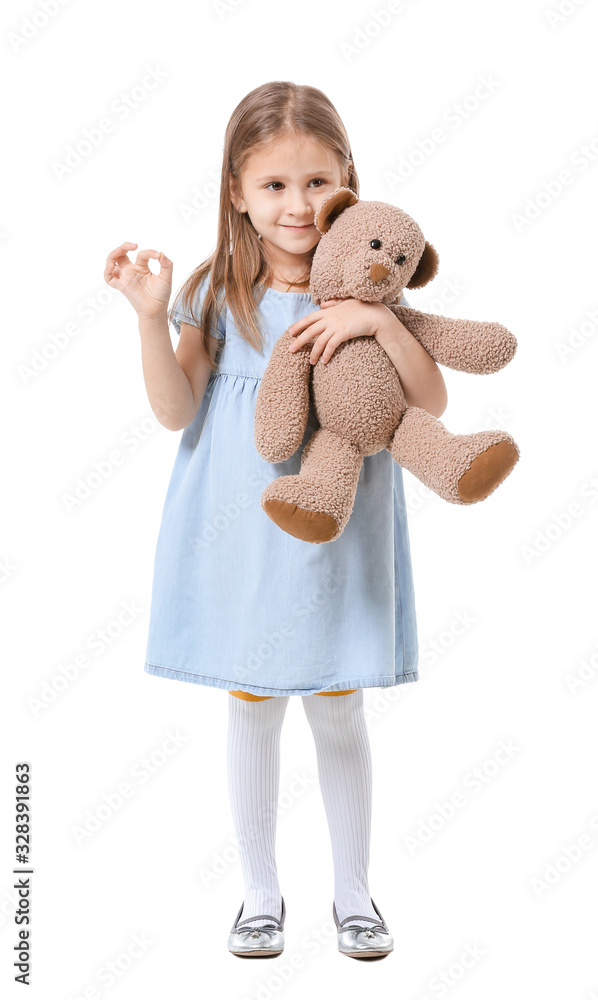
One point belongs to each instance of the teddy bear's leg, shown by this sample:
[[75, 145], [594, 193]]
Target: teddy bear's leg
[[316, 504], [460, 468]]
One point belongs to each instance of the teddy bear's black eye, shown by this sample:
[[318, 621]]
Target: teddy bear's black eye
[[401, 259], [376, 244]]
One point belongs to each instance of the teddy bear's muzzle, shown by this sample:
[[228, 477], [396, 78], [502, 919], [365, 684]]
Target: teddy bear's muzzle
[[378, 272]]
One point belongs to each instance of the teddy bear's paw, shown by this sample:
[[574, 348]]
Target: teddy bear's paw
[[308, 525], [306, 508], [487, 470]]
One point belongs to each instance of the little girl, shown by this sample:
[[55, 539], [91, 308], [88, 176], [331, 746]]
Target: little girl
[[237, 603]]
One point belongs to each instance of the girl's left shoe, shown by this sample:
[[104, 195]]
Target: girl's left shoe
[[363, 942]]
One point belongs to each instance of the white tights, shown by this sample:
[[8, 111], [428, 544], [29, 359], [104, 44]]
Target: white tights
[[345, 776]]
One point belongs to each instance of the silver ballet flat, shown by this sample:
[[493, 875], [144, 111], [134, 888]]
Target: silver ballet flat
[[266, 941], [363, 942]]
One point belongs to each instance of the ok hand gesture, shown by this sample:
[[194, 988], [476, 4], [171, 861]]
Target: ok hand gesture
[[147, 292]]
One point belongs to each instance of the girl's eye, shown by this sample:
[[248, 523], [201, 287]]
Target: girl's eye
[[321, 179]]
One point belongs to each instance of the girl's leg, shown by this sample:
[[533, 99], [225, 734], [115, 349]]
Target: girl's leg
[[345, 775], [253, 760]]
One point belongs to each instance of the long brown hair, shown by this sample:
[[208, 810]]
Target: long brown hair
[[239, 262]]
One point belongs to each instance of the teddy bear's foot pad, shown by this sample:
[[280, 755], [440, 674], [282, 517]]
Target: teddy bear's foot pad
[[487, 471], [308, 525]]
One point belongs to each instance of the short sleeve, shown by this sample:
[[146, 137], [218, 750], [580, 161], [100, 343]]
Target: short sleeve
[[181, 315]]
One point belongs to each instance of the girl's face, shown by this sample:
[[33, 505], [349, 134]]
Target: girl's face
[[281, 189]]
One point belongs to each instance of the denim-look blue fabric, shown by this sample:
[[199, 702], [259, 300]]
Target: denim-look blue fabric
[[239, 604]]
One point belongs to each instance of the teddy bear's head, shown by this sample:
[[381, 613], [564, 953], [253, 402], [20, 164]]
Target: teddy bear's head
[[369, 250]]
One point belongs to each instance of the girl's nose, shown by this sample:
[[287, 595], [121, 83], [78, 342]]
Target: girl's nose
[[300, 208], [302, 215]]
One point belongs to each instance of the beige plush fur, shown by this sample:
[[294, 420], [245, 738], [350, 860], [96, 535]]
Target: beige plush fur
[[357, 395]]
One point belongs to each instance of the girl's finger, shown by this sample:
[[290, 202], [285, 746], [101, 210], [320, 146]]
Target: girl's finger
[[314, 330], [325, 351], [144, 255], [120, 253], [112, 274], [317, 352]]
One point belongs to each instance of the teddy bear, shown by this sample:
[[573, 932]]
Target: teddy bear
[[372, 251]]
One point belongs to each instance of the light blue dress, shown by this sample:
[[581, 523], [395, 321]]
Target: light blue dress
[[237, 603]]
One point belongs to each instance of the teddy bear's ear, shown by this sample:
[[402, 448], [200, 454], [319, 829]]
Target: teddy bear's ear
[[426, 269], [332, 206]]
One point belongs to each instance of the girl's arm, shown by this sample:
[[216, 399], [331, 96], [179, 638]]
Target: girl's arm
[[175, 383], [420, 376]]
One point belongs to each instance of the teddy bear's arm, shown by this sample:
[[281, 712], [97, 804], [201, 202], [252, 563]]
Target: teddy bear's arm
[[282, 405], [463, 344]]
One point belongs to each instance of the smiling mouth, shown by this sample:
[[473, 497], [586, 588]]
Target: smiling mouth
[[306, 226]]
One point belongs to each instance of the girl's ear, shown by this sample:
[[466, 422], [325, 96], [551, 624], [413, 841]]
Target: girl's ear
[[426, 269], [232, 190], [332, 206]]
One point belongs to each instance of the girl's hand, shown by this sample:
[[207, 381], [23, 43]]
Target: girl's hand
[[147, 292], [337, 320]]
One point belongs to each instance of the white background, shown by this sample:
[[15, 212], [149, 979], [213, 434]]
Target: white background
[[506, 677]]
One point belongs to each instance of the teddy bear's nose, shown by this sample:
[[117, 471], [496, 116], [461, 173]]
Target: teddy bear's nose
[[378, 272]]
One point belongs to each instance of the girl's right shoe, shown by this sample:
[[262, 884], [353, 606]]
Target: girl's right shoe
[[363, 942], [265, 941]]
